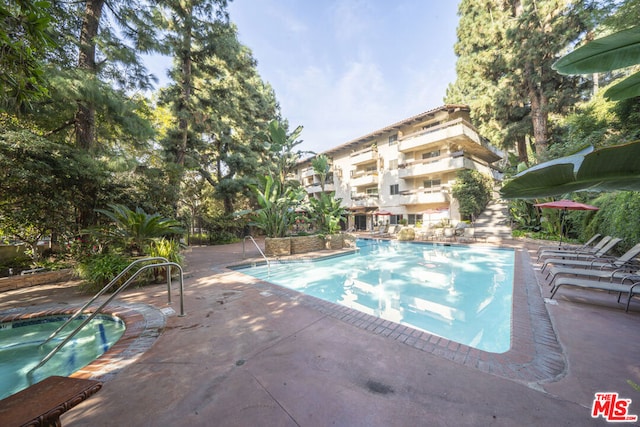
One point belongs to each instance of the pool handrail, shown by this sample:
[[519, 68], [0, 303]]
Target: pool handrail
[[259, 250], [105, 303], [102, 291]]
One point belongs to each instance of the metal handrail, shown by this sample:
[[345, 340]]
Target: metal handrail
[[259, 250], [102, 291], [115, 294]]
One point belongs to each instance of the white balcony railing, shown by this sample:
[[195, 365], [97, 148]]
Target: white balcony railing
[[424, 196], [458, 130], [366, 179], [433, 167], [317, 188], [364, 156]]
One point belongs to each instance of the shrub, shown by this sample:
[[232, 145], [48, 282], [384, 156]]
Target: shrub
[[99, 269]]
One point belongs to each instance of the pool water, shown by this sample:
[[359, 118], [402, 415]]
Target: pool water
[[20, 348], [462, 293]]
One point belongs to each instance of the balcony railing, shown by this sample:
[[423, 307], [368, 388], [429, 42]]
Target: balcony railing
[[361, 179], [433, 166], [459, 131], [424, 196], [367, 155]]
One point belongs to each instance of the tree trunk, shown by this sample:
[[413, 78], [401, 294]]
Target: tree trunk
[[85, 123], [184, 112], [539, 110], [521, 146]]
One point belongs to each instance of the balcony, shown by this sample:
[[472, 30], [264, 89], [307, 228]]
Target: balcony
[[362, 178], [361, 157], [306, 173], [459, 132], [316, 188], [434, 195], [364, 200], [436, 166]]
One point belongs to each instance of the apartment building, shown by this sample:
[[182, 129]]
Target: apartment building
[[405, 170]]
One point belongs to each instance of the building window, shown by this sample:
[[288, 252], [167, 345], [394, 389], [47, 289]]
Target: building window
[[393, 139], [413, 218], [373, 191], [431, 154], [393, 164], [431, 183], [394, 219], [394, 189]]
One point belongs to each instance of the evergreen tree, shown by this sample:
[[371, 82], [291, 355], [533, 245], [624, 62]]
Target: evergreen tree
[[505, 51]]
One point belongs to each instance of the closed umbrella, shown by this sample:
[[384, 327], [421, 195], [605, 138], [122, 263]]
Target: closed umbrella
[[566, 205]]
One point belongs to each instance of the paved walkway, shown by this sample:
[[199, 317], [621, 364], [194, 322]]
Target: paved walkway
[[251, 353]]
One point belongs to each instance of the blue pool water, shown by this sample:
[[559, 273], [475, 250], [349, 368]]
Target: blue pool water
[[462, 293], [20, 348]]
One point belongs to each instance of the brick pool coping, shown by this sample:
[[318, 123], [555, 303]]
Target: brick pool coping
[[535, 355], [144, 324]]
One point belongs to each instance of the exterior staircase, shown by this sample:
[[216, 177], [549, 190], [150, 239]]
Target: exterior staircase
[[493, 224]]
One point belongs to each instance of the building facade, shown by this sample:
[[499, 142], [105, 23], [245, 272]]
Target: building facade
[[405, 170]]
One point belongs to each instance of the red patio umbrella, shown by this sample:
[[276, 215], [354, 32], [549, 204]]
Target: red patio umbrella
[[382, 213], [566, 205]]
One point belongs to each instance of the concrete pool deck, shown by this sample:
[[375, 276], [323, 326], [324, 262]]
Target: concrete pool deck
[[249, 353]]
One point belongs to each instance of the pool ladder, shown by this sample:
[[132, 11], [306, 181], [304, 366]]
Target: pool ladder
[[259, 250], [163, 262]]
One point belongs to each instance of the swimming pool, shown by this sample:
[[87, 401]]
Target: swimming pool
[[463, 293], [20, 348]]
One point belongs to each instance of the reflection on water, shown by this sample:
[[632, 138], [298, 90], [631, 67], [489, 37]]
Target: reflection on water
[[458, 292]]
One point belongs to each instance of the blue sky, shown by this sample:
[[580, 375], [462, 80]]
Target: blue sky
[[344, 68]]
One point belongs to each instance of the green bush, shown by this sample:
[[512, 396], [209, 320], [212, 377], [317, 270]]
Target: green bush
[[99, 269], [619, 216]]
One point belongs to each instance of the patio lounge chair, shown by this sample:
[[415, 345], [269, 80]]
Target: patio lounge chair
[[546, 253], [594, 273], [632, 287], [589, 247], [626, 260], [380, 232]]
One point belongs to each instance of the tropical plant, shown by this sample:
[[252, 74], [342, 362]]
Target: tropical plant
[[606, 169], [165, 248], [328, 213], [321, 166], [277, 206], [618, 50], [135, 230]]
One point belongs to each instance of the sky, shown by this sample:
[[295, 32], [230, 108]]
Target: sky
[[345, 68]]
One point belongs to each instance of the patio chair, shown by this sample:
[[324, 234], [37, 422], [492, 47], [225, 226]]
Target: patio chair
[[626, 260], [595, 273], [380, 231], [582, 250], [631, 288], [589, 245]]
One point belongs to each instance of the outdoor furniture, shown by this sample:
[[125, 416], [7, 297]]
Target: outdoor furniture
[[625, 260], [588, 250], [43, 403], [449, 234], [631, 288], [559, 247], [575, 256]]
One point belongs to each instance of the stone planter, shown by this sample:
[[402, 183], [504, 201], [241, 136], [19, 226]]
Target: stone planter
[[334, 241], [18, 282], [277, 246], [303, 244]]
